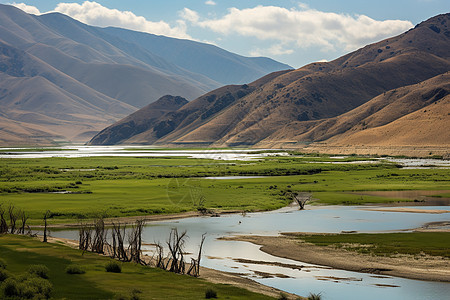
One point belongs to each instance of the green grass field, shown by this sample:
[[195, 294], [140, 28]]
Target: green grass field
[[20, 252], [133, 186], [387, 244]]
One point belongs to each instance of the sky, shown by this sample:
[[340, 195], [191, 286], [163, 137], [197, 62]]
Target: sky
[[289, 31]]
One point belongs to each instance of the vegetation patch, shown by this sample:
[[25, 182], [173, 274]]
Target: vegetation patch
[[387, 244]]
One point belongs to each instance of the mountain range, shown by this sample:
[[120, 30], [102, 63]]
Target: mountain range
[[65, 80], [391, 93]]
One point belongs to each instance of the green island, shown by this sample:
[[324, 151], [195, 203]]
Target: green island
[[386, 244]]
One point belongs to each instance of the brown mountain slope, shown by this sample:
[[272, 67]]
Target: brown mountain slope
[[139, 121], [387, 108], [194, 113], [289, 104], [325, 90]]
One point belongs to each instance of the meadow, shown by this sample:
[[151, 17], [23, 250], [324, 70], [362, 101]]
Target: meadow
[[133, 282], [84, 188]]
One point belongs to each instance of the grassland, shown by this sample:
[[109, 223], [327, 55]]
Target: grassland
[[74, 188], [20, 252]]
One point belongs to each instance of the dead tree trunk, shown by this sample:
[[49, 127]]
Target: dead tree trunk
[[24, 218], [3, 225], [135, 241], [301, 199], [98, 243], [12, 218], [119, 234], [85, 233], [160, 257], [194, 269], [176, 249], [46, 216]]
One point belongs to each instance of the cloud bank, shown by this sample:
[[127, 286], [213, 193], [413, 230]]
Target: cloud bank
[[300, 28]]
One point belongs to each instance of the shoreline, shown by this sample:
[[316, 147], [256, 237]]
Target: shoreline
[[405, 266]]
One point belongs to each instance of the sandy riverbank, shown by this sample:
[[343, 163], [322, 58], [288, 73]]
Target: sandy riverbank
[[286, 246], [409, 210]]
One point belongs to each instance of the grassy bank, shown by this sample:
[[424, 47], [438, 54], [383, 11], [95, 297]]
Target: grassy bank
[[387, 244], [20, 252], [74, 188]]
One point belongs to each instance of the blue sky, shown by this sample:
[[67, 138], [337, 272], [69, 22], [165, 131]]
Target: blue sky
[[293, 32]]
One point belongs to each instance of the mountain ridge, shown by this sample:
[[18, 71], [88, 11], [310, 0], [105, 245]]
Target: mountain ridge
[[88, 78], [302, 99]]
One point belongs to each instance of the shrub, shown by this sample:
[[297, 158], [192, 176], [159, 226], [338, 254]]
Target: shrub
[[74, 269], [10, 288], [39, 270], [210, 293], [4, 275], [135, 294], [313, 296], [113, 266], [2, 264], [38, 286]]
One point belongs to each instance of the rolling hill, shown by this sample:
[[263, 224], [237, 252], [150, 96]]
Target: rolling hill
[[69, 80], [326, 101]]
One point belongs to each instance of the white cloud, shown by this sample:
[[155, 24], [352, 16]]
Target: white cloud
[[302, 28], [189, 15], [210, 2], [29, 9], [93, 13]]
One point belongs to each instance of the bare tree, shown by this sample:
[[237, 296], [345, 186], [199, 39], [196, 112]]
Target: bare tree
[[194, 269], [12, 218], [135, 242], [24, 217], [301, 199], [3, 225], [176, 251], [98, 243], [46, 216], [118, 235], [85, 237]]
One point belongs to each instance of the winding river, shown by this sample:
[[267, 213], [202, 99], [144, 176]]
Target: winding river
[[236, 257]]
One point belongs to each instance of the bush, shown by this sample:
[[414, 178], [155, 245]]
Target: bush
[[74, 269], [37, 286], [313, 296], [210, 293], [39, 270], [4, 275], [113, 266], [2, 264], [10, 288]]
